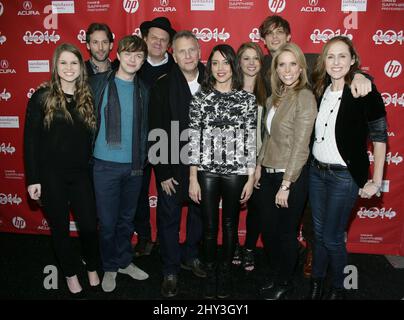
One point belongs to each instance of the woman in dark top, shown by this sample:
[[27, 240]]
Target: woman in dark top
[[223, 152], [340, 165], [57, 146]]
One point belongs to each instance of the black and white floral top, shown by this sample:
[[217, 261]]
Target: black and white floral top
[[223, 132]]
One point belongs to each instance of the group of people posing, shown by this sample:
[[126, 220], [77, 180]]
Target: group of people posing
[[267, 131]]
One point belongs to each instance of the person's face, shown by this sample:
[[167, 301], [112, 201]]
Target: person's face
[[338, 60], [99, 46], [275, 38], [250, 62], [68, 67], [221, 69], [130, 62], [157, 41], [288, 69], [187, 54]]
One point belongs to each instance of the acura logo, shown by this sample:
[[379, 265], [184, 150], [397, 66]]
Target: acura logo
[[164, 3], [4, 64], [27, 5], [313, 2]]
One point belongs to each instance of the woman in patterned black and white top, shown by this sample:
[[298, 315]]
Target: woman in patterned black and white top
[[223, 153]]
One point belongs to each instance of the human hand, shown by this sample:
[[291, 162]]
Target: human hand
[[360, 85], [247, 190], [168, 186], [257, 177], [195, 191]]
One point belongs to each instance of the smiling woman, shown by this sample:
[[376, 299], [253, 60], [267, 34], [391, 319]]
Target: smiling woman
[[57, 149]]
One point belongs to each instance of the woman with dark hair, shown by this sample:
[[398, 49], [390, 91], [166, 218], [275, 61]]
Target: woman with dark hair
[[59, 125], [222, 141], [281, 174], [339, 169], [250, 61]]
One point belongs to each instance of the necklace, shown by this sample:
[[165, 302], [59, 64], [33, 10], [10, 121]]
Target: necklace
[[321, 139]]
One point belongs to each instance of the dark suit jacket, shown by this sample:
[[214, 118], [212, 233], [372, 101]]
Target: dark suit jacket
[[169, 101], [352, 130]]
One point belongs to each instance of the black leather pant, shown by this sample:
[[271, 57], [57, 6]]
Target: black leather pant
[[213, 187]]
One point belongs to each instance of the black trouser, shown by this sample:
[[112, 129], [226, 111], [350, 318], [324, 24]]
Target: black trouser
[[253, 228], [63, 190], [213, 187], [142, 216], [280, 225]]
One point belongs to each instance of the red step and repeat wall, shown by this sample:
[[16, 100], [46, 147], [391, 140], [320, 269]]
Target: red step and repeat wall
[[30, 31]]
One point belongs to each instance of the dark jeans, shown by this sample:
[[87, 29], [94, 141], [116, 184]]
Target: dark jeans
[[116, 192], [229, 188], [280, 225], [62, 191], [332, 196], [142, 217], [169, 221]]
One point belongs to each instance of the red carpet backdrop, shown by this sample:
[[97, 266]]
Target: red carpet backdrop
[[30, 31]]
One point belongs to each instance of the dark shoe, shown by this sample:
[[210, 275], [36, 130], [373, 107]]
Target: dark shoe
[[267, 285], [237, 259], [196, 267], [143, 247], [308, 263], [210, 282], [169, 286], [279, 291], [248, 260], [336, 294], [78, 295], [224, 282], [316, 289]]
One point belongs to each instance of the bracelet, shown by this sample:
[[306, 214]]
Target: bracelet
[[284, 188]]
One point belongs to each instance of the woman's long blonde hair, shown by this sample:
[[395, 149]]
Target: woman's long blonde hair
[[277, 85], [55, 100]]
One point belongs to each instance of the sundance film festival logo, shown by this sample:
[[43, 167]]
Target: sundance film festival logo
[[30, 93], [312, 7], [164, 7], [390, 158], [39, 37], [7, 148], [137, 32], [27, 6], [323, 36], [393, 99], [5, 95], [374, 212], [277, 6], [206, 34], [388, 37], [10, 199], [4, 67], [130, 6], [152, 201], [392, 68], [3, 39], [255, 35], [82, 36]]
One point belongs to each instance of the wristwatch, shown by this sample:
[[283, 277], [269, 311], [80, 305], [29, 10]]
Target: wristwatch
[[284, 188]]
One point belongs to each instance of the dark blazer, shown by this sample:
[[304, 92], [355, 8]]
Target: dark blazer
[[352, 130], [169, 101]]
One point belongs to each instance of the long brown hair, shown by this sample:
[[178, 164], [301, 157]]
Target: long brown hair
[[259, 86], [276, 83], [321, 79], [55, 100]]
